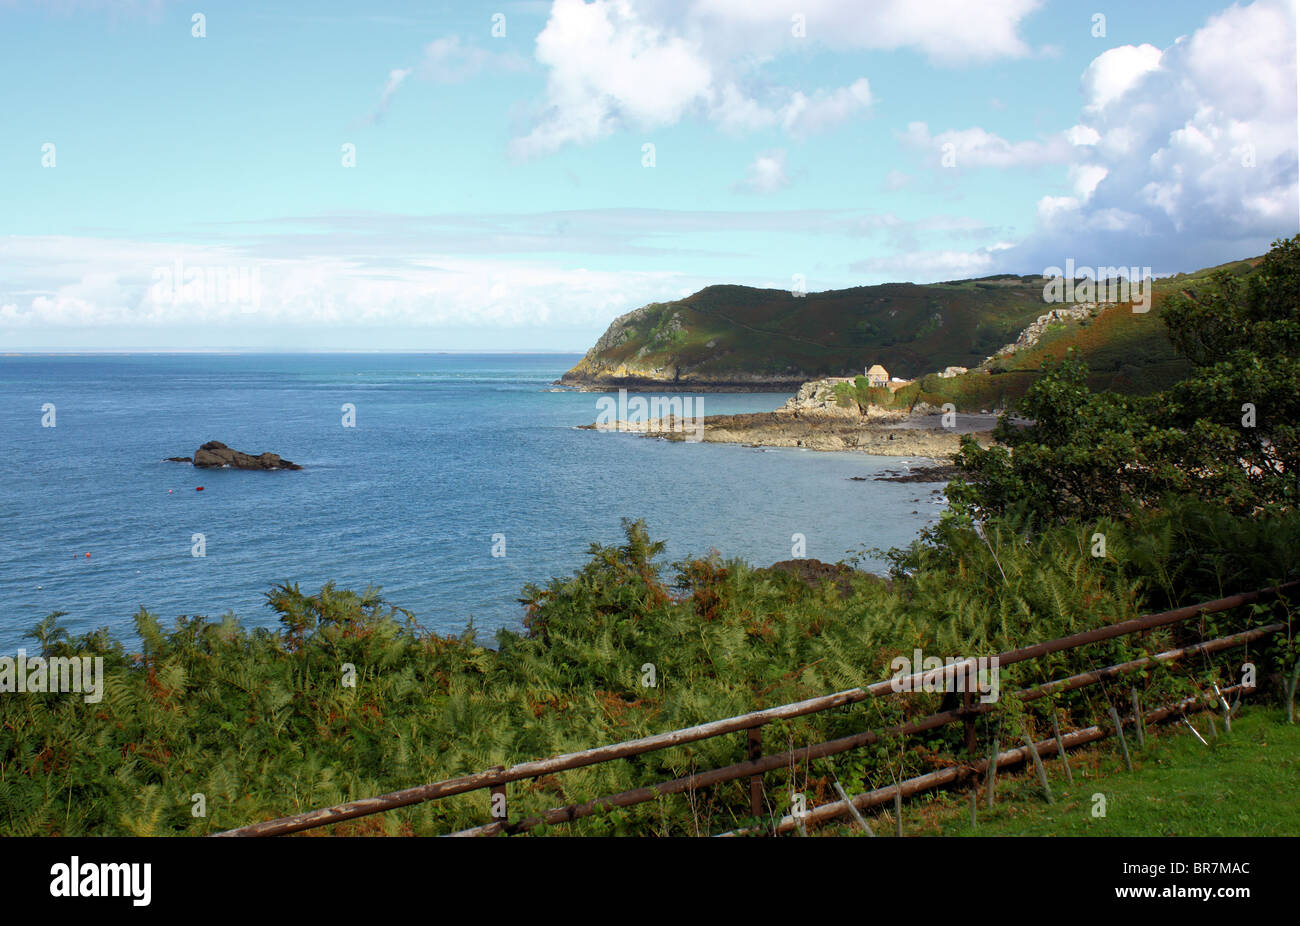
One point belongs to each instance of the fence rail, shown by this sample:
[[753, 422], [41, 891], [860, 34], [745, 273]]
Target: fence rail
[[496, 779]]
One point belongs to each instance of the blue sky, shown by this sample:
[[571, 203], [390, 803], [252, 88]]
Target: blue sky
[[501, 197]]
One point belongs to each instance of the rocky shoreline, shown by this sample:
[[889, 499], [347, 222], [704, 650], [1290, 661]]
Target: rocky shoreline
[[808, 432], [649, 384], [813, 419]]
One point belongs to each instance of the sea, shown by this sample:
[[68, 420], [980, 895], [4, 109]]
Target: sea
[[450, 481]]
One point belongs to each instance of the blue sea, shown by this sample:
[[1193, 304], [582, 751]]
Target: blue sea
[[447, 451]]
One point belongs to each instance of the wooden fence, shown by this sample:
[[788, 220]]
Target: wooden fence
[[496, 779]]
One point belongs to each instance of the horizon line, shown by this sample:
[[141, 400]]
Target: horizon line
[[77, 352]]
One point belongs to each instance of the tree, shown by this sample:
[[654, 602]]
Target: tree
[[1228, 433]]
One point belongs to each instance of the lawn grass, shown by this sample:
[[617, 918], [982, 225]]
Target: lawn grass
[[1241, 784]]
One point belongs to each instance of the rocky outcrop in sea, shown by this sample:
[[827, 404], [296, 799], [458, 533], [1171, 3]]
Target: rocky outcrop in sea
[[215, 454]]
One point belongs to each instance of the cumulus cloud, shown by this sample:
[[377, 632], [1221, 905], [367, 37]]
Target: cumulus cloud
[[1113, 73], [612, 65], [1180, 158], [948, 32], [1192, 155]]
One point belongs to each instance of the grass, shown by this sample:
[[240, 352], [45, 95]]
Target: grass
[[1241, 784]]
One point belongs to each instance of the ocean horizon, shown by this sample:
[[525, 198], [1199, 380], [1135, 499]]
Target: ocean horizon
[[451, 457]]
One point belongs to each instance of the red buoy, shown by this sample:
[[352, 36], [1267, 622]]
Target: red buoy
[[199, 489], [87, 556]]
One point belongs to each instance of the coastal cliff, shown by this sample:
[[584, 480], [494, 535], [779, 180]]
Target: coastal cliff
[[743, 339]]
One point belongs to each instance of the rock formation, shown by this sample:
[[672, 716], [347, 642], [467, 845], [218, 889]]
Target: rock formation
[[216, 454]]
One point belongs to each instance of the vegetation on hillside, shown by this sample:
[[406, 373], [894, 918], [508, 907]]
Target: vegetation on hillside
[[1228, 432], [723, 332], [1193, 503], [732, 332], [261, 723]]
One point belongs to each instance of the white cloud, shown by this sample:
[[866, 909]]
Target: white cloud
[[1195, 156], [447, 60], [931, 266], [117, 282], [1086, 177], [1181, 157], [1115, 72], [1078, 135], [975, 147], [946, 31], [612, 64], [606, 67], [794, 112], [804, 114], [395, 78], [767, 173]]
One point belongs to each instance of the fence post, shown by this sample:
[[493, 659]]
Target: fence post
[[993, 769], [1227, 711], [1138, 723], [754, 750], [497, 800], [1060, 747], [967, 702], [857, 815], [1038, 767], [1119, 731]]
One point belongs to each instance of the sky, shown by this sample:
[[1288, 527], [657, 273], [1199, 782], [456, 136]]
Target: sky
[[514, 175]]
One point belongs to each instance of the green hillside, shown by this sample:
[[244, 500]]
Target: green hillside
[[1126, 352], [738, 336]]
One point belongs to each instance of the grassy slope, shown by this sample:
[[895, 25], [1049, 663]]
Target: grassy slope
[[1126, 352], [909, 328], [913, 330], [1243, 783]]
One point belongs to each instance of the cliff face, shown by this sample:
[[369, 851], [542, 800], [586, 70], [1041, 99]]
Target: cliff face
[[651, 347]]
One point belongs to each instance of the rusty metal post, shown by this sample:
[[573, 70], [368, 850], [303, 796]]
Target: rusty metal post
[[754, 750]]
